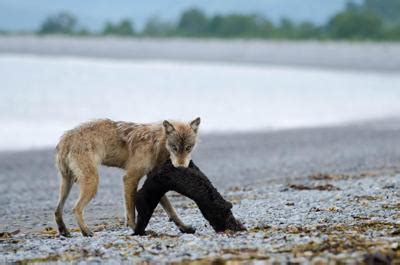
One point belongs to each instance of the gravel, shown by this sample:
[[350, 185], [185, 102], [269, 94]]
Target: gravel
[[350, 211], [284, 224]]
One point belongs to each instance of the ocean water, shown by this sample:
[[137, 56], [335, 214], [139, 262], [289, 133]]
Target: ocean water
[[41, 97]]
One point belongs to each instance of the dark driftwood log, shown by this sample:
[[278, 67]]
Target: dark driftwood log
[[192, 183]]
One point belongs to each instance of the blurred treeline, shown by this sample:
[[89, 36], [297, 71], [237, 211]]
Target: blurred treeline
[[370, 20]]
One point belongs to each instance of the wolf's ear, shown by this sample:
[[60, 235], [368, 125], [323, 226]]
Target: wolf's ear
[[169, 128], [195, 124]]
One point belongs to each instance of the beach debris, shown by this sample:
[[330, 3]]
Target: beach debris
[[329, 176], [328, 187], [360, 217], [389, 186], [330, 209], [326, 176], [395, 206], [49, 231], [9, 234], [366, 198], [396, 232]]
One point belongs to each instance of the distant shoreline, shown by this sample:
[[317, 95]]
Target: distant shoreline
[[360, 56]]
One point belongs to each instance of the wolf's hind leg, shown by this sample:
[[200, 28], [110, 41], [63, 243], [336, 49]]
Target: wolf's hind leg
[[88, 184], [165, 203], [65, 188]]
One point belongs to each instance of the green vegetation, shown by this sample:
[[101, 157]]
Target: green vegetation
[[124, 28], [388, 10], [371, 20], [62, 23], [355, 25], [156, 27], [193, 22]]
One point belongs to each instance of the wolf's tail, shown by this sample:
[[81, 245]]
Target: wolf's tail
[[62, 161]]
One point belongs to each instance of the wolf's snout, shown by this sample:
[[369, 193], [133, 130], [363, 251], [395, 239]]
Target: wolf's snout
[[185, 165], [180, 161]]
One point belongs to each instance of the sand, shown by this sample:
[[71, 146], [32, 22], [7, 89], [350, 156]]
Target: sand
[[361, 56]]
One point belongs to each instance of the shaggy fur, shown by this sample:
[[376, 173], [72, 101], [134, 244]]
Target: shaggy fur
[[190, 182], [137, 148]]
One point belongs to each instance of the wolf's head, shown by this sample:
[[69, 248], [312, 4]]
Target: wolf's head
[[181, 140]]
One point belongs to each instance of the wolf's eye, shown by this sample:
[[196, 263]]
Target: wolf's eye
[[174, 148], [188, 148]]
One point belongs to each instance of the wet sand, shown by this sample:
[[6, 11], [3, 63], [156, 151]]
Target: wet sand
[[361, 56]]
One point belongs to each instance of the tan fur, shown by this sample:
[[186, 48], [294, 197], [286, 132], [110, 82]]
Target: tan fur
[[137, 148]]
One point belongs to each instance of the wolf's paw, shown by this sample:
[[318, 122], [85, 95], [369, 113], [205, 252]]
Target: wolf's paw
[[187, 230], [65, 234], [87, 233], [130, 224], [63, 231]]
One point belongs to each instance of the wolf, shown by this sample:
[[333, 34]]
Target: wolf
[[136, 148], [190, 182]]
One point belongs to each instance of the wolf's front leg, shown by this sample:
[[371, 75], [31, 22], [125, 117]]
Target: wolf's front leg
[[131, 181], [165, 203]]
